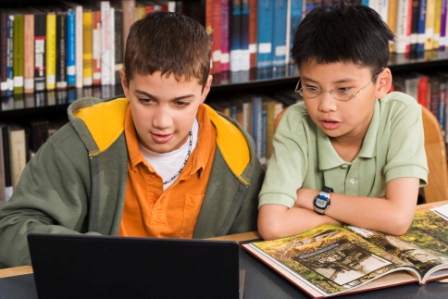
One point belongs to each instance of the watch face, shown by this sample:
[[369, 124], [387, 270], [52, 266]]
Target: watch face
[[321, 201]]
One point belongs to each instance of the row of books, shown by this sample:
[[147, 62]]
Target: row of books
[[18, 143], [59, 46], [256, 114], [66, 44], [429, 89], [419, 25]]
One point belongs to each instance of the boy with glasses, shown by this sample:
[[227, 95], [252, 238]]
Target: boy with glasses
[[157, 163], [351, 152]]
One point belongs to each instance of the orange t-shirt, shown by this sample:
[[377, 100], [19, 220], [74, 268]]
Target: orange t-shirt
[[152, 212]]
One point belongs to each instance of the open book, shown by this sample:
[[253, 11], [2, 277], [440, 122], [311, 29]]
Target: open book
[[330, 260]]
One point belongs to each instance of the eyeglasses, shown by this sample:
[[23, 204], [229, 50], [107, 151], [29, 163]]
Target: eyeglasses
[[339, 94]]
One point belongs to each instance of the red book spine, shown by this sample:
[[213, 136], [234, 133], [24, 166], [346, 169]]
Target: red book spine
[[216, 49]]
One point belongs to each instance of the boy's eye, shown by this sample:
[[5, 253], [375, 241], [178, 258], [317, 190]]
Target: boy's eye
[[181, 103], [145, 100], [344, 89], [312, 88]]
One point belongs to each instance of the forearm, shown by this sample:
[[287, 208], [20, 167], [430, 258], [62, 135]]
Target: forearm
[[277, 221], [392, 214]]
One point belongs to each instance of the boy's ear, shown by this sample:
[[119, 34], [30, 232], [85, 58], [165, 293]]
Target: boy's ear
[[383, 83], [124, 82], [206, 88]]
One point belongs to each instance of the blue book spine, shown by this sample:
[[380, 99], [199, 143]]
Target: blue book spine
[[279, 40], [235, 35], [10, 55], [262, 157], [71, 48], [265, 32], [442, 105], [296, 18], [256, 125], [366, 2], [245, 53], [421, 26]]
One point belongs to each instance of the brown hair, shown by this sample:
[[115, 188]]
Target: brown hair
[[170, 43]]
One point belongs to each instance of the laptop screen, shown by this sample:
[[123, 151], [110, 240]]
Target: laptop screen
[[86, 266]]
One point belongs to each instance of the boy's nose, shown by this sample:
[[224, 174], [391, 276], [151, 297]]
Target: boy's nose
[[327, 102], [162, 119]]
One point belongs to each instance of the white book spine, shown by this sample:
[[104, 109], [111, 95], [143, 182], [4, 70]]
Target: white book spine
[[105, 43], [112, 46], [78, 51]]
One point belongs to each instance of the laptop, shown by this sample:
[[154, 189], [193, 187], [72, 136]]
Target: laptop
[[87, 266]]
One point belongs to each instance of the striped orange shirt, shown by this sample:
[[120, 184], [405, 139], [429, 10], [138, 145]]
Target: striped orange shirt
[[148, 209]]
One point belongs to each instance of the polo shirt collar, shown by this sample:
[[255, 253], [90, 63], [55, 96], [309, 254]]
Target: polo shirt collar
[[200, 155], [329, 158]]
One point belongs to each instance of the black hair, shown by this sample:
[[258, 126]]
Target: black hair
[[343, 33]]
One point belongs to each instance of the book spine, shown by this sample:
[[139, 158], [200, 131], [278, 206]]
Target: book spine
[[87, 52], [225, 55], [296, 18], [71, 48], [215, 27], [429, 24], [61, 50], [414, 25], [17, 147], [244, 37], [18, 54], [112, 46], [402, 44], [9, 55], [28, 61], [235, 35], [279, 36], [3, 52], [6, 162], [437, 16], [51, 52], [257, 124], [253, 33], [129, 13], [209, 18], [118, 43], [422, 91], [441, 116], [265, 33], [392, 22], [263, 134], [79, 46], [40, 38], [443, 26], [421, 26], [2, 170], [105, 50], [96, 48]]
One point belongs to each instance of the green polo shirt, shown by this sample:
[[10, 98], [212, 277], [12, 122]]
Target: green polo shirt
[[304, 156]]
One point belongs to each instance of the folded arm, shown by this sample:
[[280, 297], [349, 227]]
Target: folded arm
[[392, 214]]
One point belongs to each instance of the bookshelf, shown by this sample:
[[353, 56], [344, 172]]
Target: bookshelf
[[227, 85], [54, 103]]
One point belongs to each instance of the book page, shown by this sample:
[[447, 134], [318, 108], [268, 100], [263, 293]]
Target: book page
[[424, 245], [330, 258], [442, 211]]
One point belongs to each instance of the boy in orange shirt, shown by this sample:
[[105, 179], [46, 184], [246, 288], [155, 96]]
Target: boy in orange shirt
[[158, 163]]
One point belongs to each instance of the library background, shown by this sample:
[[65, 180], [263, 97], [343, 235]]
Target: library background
[[51, 55]]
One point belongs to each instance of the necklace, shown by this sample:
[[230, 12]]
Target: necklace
[[190, 145]]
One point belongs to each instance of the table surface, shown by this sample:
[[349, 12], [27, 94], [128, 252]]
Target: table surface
[[260, 280]]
